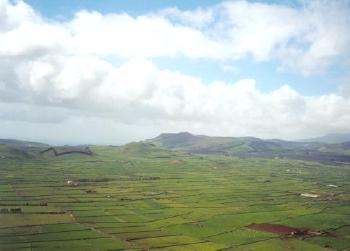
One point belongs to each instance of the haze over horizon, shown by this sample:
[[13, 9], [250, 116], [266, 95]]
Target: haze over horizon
[[110, 73]]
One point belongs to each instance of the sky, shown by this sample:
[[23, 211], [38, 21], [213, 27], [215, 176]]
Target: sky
[[111, 72]]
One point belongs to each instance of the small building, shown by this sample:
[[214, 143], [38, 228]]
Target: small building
[[331, 185], [310, 195], [72, 183]]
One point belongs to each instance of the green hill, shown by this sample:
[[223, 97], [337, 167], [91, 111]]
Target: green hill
[[22, 143], [13, 152], [206, 144], [250, 146], [334, 138], [10, 149]]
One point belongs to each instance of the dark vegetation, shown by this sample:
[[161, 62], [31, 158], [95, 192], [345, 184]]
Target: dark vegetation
[[287, 231], [58, 151]]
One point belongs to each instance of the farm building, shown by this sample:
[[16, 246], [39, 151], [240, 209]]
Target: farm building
[[310, 195]]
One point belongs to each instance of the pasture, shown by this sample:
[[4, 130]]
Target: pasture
[[139, 200]]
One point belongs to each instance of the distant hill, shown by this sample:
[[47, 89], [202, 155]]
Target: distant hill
[[185, 143], [330, 138], [230, 145], [251, 146], [12, 152], [11, 148], [21, 143]]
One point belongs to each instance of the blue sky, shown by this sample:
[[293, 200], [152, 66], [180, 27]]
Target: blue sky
[[110, 72], [67, 8]]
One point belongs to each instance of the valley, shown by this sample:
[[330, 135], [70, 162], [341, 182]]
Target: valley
[[144, 196]]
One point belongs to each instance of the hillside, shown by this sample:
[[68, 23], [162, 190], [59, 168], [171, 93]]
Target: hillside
[[11, 152], [18, 149], [238, 145], [333, 138], [250, 146], [22, 143], [161, 146]]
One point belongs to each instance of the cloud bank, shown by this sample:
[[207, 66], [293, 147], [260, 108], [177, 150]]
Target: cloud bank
[[63, 76]]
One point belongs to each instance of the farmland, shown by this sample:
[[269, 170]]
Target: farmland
[[137, 198]]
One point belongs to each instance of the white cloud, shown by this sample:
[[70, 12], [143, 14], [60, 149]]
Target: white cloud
[[307, 39], [59, 73], [143, 36], [139, 93]]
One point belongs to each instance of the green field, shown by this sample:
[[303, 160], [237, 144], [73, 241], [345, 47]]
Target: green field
[[139, 199]]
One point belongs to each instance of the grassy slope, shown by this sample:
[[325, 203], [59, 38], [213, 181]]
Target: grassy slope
[[334, 138], [20, 143], [17, 149], [250, 146], [7, 151], [141, 197]]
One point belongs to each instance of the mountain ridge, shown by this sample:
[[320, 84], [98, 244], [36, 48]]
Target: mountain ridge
[[202, 144], [191, 142], [252, 147], [22, 143], [332, 138]]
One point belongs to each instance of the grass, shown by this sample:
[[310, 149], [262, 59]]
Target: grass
[[136, 198]]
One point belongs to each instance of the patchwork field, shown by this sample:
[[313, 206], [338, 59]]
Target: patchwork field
[[139, 200]]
